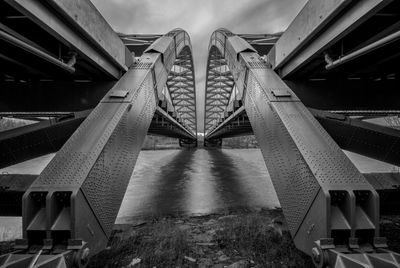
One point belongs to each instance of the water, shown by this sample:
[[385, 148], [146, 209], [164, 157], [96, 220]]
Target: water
[[197, 182], [188, 182]]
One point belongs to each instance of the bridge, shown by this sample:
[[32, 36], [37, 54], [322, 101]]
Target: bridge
[[305, 94]]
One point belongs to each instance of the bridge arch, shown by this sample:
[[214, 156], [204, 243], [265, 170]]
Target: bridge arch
[[83, 185], [308, 169]]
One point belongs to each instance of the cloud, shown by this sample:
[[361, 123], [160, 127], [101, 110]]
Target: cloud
[[199, 19]]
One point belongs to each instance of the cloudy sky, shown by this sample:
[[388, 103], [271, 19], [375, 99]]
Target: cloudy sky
[[199, 18]]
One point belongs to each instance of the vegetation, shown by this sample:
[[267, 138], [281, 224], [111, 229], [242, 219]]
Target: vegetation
[[240, 142], [254, 238]]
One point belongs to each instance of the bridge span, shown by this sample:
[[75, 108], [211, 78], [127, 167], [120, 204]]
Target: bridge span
[[95, 94]]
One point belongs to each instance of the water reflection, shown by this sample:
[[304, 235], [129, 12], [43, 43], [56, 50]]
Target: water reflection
[[198, 182], [227, 176], [169, 195]]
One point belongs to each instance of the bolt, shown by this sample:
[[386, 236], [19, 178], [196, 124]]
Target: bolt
[[316, 255]]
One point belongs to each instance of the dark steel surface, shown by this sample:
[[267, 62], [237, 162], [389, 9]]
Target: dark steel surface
[[378, 142], [52, 96], [27, 142], [12, 187]]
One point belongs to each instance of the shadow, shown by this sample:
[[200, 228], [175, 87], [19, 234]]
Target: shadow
[[168, 196], [227, 179]]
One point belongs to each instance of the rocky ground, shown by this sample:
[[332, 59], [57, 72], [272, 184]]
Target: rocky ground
[[234, 239]]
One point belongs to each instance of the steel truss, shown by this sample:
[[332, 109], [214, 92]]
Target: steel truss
[[220, 85], [331, 209], [181, 86], [69, 210]]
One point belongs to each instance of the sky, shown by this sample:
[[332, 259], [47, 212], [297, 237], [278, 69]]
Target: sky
[[199, 18]]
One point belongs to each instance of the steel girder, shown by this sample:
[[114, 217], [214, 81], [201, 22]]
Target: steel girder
[[331, 209], [318, 26], [352, 134], [69, 211], [48, 135], [138, 43], [34, 140], [90, 36]]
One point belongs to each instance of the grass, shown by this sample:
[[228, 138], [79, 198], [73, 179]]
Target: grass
[[254, 237], [165, 243], [162, 244]]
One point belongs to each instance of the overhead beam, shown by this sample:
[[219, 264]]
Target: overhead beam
[[34, 140], [378, 142], [342, 93], [79, 25], [304, 41], [312, 18], [85, 17], [51, 96]]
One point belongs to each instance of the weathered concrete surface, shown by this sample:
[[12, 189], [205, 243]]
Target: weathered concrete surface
[[294, 49], [314, 15], [88, 19], [77, 37]]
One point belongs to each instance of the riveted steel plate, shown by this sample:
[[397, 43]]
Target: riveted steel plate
[[96, 163], [293, 180], [302, 159], [106, 183]]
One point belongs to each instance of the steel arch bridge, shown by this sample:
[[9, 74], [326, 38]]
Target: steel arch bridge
[[98, 100], [306, 94], [331, 209]]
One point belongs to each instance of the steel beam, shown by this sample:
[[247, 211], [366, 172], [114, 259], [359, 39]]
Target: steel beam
[[312, 18], [331, 209], [105, 49], [12, 188], [38, 52], [51, 96], [34, 140], [352, 134], [378, 142], [81, 189], [74, 202], [341, 93], [165, 125], [327, 23], [86, 19]]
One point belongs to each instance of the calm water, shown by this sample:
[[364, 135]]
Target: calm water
[[189, 182], [196, 182]]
